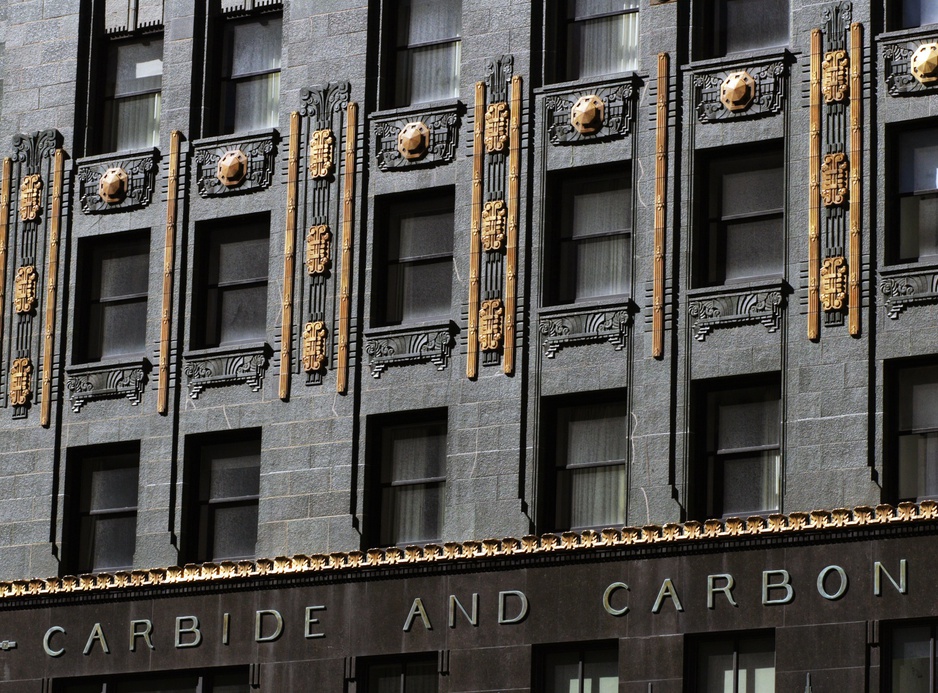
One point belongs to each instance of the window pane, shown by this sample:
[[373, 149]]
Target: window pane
[[757, 665], [132, 122], [715, 666], [384, 678], [594, 433], [910, 659], [417, 452], [421, 235], [425, 21], [429, 73], [255, 102], [754, 190], [582, 9], [563, 673], [918, 466], [600, 671], [112, 542], [412, 513], [918, 160], [422, 677], [110, 482], [595, 268], [117, 329], [918, 398], [235, 532], [752, 24], [234, 469], [420, 291], [747, 418], [602, 46], [597, 496], [177, 684], [918, 12], [135, 67], [918, 227], [750, 484], [753, 249], [243, 314], [122, 269], [255, 46], [241, 254]]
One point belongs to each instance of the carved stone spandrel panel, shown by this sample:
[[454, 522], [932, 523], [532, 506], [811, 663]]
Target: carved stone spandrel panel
[[419, 138], [904, 288], [235, 163], [910, 66], [409, 346], [102, 189], [222, 367], [596, 113], [106, 381], [724, 308], [751, 89], [576, 327]]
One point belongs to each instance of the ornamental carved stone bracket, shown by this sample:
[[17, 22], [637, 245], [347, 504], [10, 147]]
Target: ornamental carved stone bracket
[[235, 164], [910, 66], [835, 183], [407, 347], [420, 138], [86, 384], [752, 306], [561, 330], [746, 90], [318, 249], [30, 197], [494, 225], [598, 113], [491, 324], [496, 127], [314, 346], [106, 184], [21, 382], [321, 153], [835, 76], [25, 289], [908, 289], [833, 283], [221, 368]]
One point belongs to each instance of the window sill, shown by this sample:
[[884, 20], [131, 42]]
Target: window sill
[[915, 32], [614, 79], [118, 155], [423, 107], [732, 305], [109, 379], [776, 282], [586, 323], [410, 344], [753, 57], [244, 363], [235, 136], [929, 264], [907, 285]]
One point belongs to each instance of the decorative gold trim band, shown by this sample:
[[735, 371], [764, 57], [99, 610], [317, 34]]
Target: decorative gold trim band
[[289, 256], [55, 225], [514, 205], [854, 259], [672, 533], [348, 217], [169, 264], [814, 195], [4, 232], [475, 240], [661, 191]]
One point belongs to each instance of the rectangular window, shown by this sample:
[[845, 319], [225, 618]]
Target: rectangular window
[[915, 181], [739, 471], [249, 89], [592, 238], [419, 260], [424, 51], [908, 14], [132, 86], [223, 478], [741, 664], [735, 26], [413, 674], [114, 274], [411, 477], [743, 236], [102, 526], [596, 38], [915, 399], [233, 680], [231, 304], [588, 450], [590, 668], [912, 659]]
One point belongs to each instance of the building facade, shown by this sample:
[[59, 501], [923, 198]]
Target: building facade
[[463, 345]]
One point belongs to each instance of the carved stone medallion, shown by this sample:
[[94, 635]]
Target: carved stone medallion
[[834, 184], [30, 197], [318, 246], [314, 346], [413, 140], [21, 382], [232, 168], [833, 283], [835, 73], [24, 290], [924, 63], [321, 153], [491, 324], [112, 186], [588, 114], [737, 91], [494, 221], [496, 127]]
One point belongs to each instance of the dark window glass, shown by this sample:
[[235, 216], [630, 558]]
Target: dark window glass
[[234, 297], [733, 26], [912, 659], [907, 14], [412, 482], [589, 448], [592, 254], [598, 37], [413, 675], [103, 485], [233, 680], [223, 502], [744, 235], [250, 77], [745, 663], [740, 473], [917, 433], [425, 50], [916, 174], [134, 79], [113, 314], [587, 669], [419, 265]]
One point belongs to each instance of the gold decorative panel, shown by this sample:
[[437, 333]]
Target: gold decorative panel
[[321, 153], [21, 375], [491, 324], [232, 168], [30, 197], [496, 127], [318, 249], [24, 289], [588, 114], [494, 224], [924, 63], [737, 91], [112, 186], [834, 76], [413, 141], [833, 283], [314, 346], [834, 184]]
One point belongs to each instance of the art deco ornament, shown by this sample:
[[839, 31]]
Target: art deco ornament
[[318, 248], [232, 168], [496, 127], [833, 283], [924, 63], [314, 346], [112, 186], [835, 72], [587, 114], [413, 141], [321, 153], [21, 382], [494, 222], [737, 91], [834, 173], [491, 324], [24, 290], [30, 197]]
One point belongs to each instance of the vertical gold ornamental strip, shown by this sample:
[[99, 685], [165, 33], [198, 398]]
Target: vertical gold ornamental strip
[[475, 242], [4, 231], [289, 256], [854, 261], [511, 248], [348, 215], [814, 195], [55, 225], [169, 264], [661, 183]]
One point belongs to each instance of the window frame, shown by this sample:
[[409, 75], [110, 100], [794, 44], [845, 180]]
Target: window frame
[[711, 34], [205, 680], [896, 158], [546, 654], [562, 25], [888, 670], [894, 17], [402, 661], [693, 665], [893, 394]]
